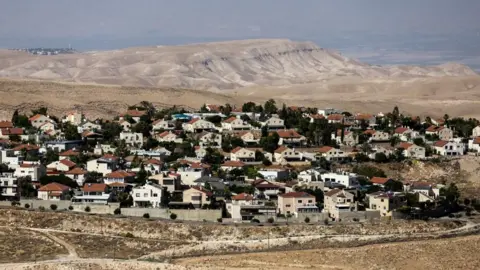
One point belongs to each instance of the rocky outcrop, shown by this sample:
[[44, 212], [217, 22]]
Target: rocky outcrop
[[222, 65]]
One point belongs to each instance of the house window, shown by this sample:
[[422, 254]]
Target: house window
[[137, 195], [310, 201], [288, 205], [299, 201], [155, 195], [348, 200], [381, 200]]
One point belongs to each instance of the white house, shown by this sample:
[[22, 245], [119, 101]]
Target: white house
[[188, 175], [162, 124], [53, 191], [210, 139], [103, 165], [34, 170], [335, 118], [291, 138], [148, 195], [118, 177], [284, 155], [74, 117], [132, 138], [63, 165], [242, 154], [168, 136], [449, 148], [405, 134], [248, 137], [412, 150], [235, 123], [38, 120], [349, 180], [443, 133], [94, 193], [9, 158], [134, 114], [274, 123], [197, 125], [77, 175], [125, 125], [476, 132], [377, 135], [8, 186], [330, 153], [88, 126]]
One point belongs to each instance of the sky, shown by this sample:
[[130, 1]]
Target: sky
[[379, 31]]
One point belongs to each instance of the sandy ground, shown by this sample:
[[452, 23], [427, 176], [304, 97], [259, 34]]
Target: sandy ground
[[456, 96], [458, 253]]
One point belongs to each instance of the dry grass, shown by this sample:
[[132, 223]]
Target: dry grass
[[94, 246], [458, 253], [22, 245]]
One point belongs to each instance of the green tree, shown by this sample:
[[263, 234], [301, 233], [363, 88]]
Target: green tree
[[270, 107], [142, 175], [110, 131], [270, 143], [61, 179], [51, 156], [41, 110], [248, 107], [394, 186], [381, 158], [368, 171], [92, 177]]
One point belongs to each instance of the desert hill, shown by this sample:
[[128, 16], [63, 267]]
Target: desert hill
[[220, 65]]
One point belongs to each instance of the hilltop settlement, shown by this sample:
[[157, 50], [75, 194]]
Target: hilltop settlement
[[255, 163]]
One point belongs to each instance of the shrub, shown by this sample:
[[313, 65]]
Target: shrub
[[307, 220], [146, 215], [270, 220], [15, 203], [173, 216], [87, 209], [326, 221], [53, 207], [129, 235], [356, 219], [451, 215], [27, 205], [117, 211], [41, 208], [70, 208], [219, 220], [255, 220]]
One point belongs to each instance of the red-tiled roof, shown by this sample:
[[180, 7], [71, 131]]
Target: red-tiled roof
[[405, 145], [77, 171], [317, 116], [163, 134], [35, 117], [231, 119], [363, 116], [68, 163], [440, 143], [236, 149], [117, 184], [476, 140], [119, 174], [266, 185], [288, 134], [432, 128], [158, 121], [243, 197], [201, 189], [193, 120], [400, 130], [54, 187], [369, 132], [29, 165], [110, 156], [27, 147], [324, 149], [12, 131], [379, 180], [94, 187], [280, 149], [69, 153], [335, 117], [153, 162], [134, 113], [232, 163], [6, 124]]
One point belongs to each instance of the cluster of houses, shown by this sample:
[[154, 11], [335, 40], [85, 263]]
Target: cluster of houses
[[274, 190]]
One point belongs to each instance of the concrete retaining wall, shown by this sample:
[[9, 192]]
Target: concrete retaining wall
[[361, 215], [192, 215], [64, 205]]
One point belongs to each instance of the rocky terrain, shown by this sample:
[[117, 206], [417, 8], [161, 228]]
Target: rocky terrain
[[220, 65]]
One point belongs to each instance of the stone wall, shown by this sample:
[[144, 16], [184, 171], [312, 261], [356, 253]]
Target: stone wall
[[192, 215], [64, 205], [360, 215]]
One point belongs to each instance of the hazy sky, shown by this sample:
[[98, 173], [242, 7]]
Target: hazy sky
[[356, 26]]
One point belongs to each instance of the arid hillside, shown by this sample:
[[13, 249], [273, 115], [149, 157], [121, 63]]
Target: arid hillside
[[457, 96], [220, 65]]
